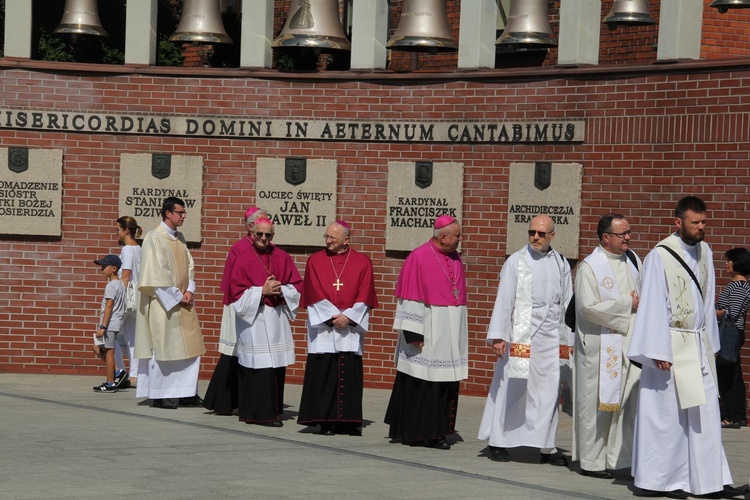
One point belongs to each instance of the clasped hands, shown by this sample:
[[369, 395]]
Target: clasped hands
[[272, 286], [339, 321]]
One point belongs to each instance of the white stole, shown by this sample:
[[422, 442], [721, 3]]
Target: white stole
[[610, 341], [521, 334], [686, 358]]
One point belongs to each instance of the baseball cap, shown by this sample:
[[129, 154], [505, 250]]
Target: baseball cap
[[109, 260]]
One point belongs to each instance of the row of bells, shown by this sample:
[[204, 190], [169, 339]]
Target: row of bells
[[423, 25]]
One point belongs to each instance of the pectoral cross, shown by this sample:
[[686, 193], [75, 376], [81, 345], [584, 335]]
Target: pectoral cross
[[338, 284], [455, 294]]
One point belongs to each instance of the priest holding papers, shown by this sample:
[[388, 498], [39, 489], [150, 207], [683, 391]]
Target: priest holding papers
[[432, 351], [339, 293], [605, 385]]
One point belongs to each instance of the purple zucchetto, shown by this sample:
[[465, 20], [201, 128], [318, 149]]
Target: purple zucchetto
[[443, 221]]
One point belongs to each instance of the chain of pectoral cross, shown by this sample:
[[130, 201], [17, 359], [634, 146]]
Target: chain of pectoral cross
[[453, 270], [338, 284]]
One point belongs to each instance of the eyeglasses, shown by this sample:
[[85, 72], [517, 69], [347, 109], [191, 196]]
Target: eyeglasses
[[542, 234], [327, 237], [622, 234], [260, 234], [182, 213]]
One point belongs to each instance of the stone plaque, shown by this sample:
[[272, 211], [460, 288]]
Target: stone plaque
[[553, 189], [300, 195], [31, 191], [418, 193], [147, 179]]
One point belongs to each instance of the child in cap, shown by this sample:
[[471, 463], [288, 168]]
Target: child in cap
[[110, 319]]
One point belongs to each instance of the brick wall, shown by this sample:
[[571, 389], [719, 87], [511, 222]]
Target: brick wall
[[653, 134]]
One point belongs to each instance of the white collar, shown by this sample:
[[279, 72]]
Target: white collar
[[172, 232]]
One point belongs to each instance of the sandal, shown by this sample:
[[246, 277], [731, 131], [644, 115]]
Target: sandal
[[728, 424]]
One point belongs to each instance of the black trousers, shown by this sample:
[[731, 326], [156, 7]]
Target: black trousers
[[732, 390]]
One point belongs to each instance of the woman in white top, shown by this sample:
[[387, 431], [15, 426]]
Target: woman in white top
[[128, 231]]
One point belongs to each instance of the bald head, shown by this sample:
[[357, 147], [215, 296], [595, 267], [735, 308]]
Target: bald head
[[541, 233], [337, 238]]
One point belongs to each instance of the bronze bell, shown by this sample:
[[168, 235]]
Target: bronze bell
[[628, 13], [528, 26], [81, 17], [423, 27], [200, 21], [313, 24], [725, 5]]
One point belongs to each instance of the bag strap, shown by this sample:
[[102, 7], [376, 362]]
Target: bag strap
[[631, 255], [682, 262]]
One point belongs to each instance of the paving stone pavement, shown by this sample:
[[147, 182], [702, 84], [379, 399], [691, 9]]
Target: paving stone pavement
[[60, 440]]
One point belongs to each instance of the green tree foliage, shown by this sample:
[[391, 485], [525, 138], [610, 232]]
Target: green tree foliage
[[168, 53], [48, 46]]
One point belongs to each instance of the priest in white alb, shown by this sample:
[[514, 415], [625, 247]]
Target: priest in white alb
[[605, 383], [528, 335], [168, 339], [678, 450]]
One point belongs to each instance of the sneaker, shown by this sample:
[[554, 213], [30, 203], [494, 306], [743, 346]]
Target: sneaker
[[122, 380], [105, 388]]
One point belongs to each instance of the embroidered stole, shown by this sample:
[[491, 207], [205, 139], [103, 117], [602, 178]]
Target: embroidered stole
[[686, 358], [520, 336], [610, 341]]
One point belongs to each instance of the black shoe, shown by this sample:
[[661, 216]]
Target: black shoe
[[439, 444], [121, 378], [556, 459], [192, 401], [167, 404], [327, 430], [729, 491], [599, 474], [647, 493], [498, 454], [676, 494], [347, 429], [105, 388], [274, 423]]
